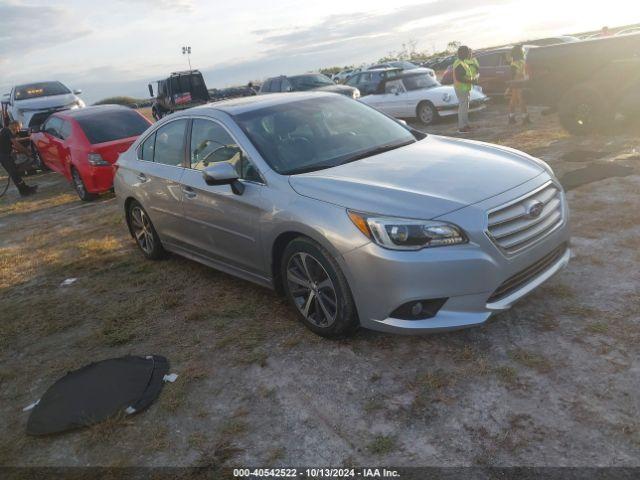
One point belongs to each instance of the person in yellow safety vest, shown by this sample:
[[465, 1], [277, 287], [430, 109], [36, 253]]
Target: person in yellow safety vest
[[474, 65], [464, 76], [518, 74]]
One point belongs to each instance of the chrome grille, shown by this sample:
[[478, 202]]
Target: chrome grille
[[514, 227]]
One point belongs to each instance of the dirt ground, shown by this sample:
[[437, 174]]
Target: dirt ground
[[553, 382]]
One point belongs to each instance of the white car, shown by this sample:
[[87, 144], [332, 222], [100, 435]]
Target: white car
[[418, 95], [31, 104]]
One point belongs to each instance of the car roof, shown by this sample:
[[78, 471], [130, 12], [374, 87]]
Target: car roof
[[90, 111], [237, 106]]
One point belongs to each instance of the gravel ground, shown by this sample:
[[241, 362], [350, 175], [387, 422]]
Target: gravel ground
[[553, 382]]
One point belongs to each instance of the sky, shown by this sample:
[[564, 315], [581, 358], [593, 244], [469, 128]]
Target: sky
[[116, 47]]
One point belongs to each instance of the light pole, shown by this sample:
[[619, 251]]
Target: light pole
[[187, 51]]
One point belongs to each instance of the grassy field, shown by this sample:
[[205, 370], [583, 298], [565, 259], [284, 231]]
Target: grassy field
[[552, 382]]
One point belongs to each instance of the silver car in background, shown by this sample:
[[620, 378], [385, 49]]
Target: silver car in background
[[356, 218]]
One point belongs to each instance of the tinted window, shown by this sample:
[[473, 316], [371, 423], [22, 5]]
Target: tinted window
[[491, 60], [43, 89], [53, 126], [266, 86], [275, 84], [211, 143], [353, 81], [313, 134], [169, 144], [309, 82], [103, 127]]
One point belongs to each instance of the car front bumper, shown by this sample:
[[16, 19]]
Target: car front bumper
[[466, 275]]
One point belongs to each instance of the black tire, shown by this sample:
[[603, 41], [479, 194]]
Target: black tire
[[345, 318], [80, 187], [427, 113], [149, 243], [583, 110], [37, 159]]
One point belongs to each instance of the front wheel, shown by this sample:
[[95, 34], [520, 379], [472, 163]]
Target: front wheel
[[144, 232], [427, 113], [317, 289], [81, 188]]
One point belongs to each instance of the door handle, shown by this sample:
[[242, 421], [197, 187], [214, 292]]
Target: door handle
[[188, 192], [142, 178]]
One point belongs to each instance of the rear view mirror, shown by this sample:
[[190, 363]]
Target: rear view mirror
[[223, 173], [35, 129], [150, 90]]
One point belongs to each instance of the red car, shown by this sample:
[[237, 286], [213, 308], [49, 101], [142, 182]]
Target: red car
[[84, 144], [495, 70]]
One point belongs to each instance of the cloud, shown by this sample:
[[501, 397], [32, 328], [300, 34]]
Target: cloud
[[362, 26], [186, 6], [25, 28]]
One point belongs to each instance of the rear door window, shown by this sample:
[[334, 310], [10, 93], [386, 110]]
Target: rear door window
[[169, 143]]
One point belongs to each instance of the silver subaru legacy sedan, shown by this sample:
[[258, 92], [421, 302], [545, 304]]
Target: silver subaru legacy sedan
[[356, 218]]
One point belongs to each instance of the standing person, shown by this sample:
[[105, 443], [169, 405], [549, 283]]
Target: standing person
[[516, 100], [8, 142], [463, 80]]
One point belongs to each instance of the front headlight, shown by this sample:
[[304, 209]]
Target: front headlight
[[407, 234]]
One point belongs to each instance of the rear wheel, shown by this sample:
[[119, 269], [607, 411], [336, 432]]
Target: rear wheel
[[80, 187], [317, 289], [427, 113], [144, 232], [583, 110]]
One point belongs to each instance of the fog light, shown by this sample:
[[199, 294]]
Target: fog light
[[419, 309]]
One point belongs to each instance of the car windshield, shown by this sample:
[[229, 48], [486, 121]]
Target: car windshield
[[43, 89], [419, 82], [309, 82], [313, 134], [111, 125]]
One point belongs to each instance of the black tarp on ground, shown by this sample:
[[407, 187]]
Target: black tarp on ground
[[98, 391]]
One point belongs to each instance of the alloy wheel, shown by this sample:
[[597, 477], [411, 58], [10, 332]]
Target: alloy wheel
[[312, 289], [142, 229], [426, 115]]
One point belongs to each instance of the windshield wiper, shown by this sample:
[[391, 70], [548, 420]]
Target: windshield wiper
[[376, 151]]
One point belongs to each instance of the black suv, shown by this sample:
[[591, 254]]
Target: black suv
[[181, 90], [307, 82]]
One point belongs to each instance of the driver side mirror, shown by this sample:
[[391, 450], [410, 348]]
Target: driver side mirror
[[395, 90], [223, 173]]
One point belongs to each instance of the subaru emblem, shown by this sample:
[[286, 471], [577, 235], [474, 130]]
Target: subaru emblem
[[534, 209]]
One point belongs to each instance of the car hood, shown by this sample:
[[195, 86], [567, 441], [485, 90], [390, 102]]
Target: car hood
[[45, 103], [343, 89], [425, 180]]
